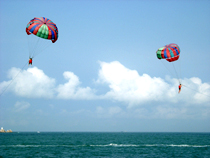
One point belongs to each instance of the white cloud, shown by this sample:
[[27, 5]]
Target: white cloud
[[72, 90], [143, 96], [31, 83], [20, 106], [34, 83], [125, 85], [128, 86], [196, 92]]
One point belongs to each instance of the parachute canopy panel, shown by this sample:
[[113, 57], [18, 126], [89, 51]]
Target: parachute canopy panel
[[43, 28], [169, 52]]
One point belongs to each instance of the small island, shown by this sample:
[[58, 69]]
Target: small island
[[3, 131]]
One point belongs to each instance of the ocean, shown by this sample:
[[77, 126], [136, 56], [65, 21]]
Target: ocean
[[104, 145]]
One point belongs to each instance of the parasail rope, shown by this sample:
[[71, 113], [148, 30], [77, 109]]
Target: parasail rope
[[42, 50], [35, 48], [37, 45], [176, 73], [168, 70], [32, 48], [196, 91], [180, 69], [13, 79]]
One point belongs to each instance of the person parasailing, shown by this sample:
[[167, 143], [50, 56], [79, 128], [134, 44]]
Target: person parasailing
[[171, 53], [42, 28], [180, 87], [30, 61]]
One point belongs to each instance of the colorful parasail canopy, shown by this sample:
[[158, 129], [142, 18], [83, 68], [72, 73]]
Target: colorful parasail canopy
[[44, 28], [169, 52]]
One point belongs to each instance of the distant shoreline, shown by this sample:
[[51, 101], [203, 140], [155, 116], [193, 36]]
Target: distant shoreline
[[3, 131]]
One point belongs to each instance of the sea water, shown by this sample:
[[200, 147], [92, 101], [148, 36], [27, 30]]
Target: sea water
[[104, 144]]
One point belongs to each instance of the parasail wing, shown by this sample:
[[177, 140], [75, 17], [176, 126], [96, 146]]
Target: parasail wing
[[43, 28], [169, 52]]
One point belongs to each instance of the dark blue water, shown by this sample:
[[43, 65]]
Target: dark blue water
[[105, 145]]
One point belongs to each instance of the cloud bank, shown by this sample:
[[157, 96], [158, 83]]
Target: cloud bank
[[128, 86], [72, 89], [30, 83], [125, 85]]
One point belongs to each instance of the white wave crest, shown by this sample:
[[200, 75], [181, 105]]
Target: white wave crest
[[111, 145]]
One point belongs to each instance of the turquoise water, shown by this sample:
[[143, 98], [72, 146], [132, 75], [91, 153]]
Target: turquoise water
[[104, 145]]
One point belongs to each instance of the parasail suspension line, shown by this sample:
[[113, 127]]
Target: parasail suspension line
[[196, 91], [13, 79]]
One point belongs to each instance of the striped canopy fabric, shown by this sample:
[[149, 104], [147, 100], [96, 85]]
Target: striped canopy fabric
[[169, 52], [44, 28]]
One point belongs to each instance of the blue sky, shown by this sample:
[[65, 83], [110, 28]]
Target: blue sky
[[102, 74]]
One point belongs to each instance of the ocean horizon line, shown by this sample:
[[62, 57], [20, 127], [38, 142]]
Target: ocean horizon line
[[39, 131]]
